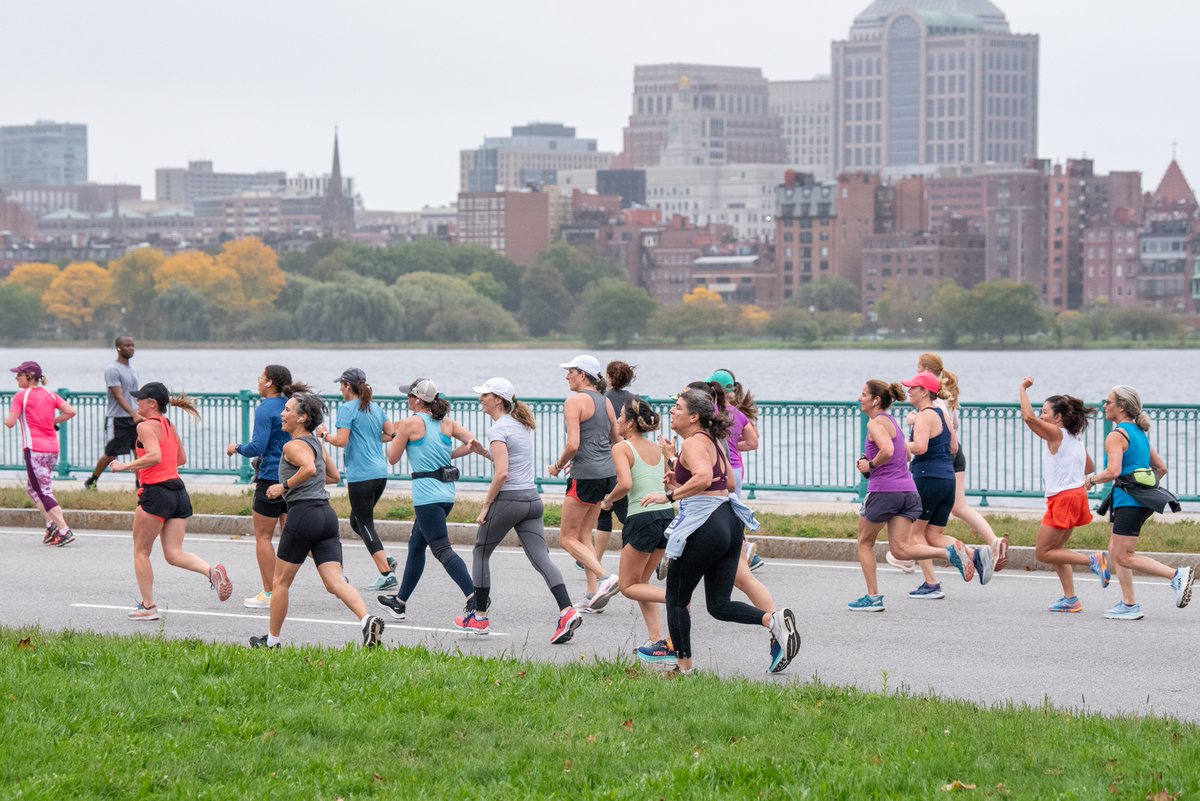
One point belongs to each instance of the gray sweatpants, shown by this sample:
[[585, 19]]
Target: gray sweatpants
[[520, 510]]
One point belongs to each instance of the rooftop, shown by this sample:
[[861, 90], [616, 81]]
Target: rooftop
[[937, 13]]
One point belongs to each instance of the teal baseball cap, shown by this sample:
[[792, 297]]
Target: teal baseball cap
[[722, 377]]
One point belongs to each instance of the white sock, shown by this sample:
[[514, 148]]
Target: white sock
[[272, 641], [363, 621]]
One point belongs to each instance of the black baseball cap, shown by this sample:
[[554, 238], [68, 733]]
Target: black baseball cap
[[156, 391], [354, 376]]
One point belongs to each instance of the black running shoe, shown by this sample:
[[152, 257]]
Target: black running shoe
[[372, 631], [261, 642], [396, 608]]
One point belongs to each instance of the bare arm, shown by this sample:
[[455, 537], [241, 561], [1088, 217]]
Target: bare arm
[[878, 433], [1114, 448], [338, 438], [331, 471], [572, 412], [698, 457], [147, 433], [748, 441], [623, 460], [403, 435], [923, 432], [1047, 431], [65, 412], [118, 394], [459, 432], [499, 476], [614, 436], [1157, 464], [13, 415]]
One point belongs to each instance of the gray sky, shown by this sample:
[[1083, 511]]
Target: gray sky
[[259, 85]]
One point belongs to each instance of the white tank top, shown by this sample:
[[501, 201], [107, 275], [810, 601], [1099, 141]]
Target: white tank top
[[1063, 471]]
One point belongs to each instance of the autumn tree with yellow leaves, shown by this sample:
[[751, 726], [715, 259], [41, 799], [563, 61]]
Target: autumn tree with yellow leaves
[[79, 295]]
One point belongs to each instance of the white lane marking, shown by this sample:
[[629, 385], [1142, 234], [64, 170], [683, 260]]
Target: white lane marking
[[387, 625]]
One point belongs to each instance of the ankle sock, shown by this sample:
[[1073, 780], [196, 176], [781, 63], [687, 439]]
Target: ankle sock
[[272, 641]]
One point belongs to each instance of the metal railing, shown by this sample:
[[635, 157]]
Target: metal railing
[[805, 446]]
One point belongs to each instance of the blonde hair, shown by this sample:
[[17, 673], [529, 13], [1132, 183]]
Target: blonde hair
[[1129, 401], [932, 362], [520, 412]]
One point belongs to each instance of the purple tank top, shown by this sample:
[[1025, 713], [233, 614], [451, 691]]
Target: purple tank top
[[892, 476]]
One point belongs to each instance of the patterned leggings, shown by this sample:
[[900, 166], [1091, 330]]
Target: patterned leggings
[[39, 467]]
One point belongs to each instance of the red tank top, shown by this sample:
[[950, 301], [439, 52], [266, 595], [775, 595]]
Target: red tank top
[[168, 445], [720, 469]]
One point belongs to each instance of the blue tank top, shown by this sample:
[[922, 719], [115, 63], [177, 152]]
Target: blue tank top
[[1136, 456], [430, 452], [936, 461]]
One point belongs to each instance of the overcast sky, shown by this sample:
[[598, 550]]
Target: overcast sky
[[259, 85]]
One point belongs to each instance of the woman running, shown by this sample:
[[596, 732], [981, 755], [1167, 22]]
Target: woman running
[[640, 470], [362, 427], [428, 438], [312, 526], [620, 375], [933, 473], [512, 503], [40, 412], [1065, 463], [163, 505], [705, 539], [591, 432], [1127, 449], [266, 444], [743, 438]]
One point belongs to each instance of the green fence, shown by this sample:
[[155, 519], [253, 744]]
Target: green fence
[[806, 446]]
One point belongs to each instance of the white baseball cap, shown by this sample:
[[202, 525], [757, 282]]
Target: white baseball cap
[[500, 387], [585, 364], [422, 388]]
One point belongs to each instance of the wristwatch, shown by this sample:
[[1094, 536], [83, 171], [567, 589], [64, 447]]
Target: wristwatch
[[670, 496]]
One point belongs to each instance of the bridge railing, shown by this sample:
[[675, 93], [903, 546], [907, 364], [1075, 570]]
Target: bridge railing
[[805, 446]]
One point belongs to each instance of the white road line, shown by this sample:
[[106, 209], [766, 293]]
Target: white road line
[[387, 623]]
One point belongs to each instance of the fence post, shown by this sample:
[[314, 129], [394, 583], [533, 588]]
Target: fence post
[[862, 437], [245, 474], [63, 468]]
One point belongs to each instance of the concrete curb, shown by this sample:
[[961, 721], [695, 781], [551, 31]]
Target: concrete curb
[[463, 534]]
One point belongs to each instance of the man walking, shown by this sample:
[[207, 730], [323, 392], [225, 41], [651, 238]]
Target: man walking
[[122, 417]]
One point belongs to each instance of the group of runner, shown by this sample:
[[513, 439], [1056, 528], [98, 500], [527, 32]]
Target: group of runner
[[679, 505]]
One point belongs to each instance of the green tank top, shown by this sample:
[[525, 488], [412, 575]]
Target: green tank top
[[647, 479]]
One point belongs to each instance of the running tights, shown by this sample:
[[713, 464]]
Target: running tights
[[712, 553], [430, 530], [520, 510], [363, 497]]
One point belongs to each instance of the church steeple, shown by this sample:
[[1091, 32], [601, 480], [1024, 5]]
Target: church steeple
[[337, 213]]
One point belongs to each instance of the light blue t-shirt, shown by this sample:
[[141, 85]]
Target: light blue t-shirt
[[425, 455], [364, 450]]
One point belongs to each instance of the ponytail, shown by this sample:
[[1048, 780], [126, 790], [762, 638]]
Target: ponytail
[[885, 393], [1073, 412], [1130, 402], [438, 408], [294, 388], [182, 401], [744, 401], [715, 390], [520, 412], [711, 419], [641, 414], [949, 390]]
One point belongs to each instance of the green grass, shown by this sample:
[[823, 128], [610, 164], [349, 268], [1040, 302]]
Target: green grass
[[101, 717]]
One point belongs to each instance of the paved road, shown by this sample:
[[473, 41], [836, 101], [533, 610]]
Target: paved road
[[990, 644]]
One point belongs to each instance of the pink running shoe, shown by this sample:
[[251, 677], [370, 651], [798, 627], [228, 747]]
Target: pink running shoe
[[568, 621], [904, 565], [218, 579], [472, 625], [143, 612]]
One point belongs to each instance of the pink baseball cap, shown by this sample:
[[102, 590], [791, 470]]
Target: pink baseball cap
[[925, 380], [31, 369]]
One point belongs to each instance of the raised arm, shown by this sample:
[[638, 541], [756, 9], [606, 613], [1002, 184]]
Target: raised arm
[[1047, 431]]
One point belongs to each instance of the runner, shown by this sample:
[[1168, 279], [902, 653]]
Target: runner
[[1065, 462], [892, 498], [743, 437], [1129, 460], [121, 418], [40, 412], [362, 427], [640, 470], [512, 503], [163, 505], [591, 432], [427, 437], [620, 375], [312, 526], [274, 387], [705, 539], [933, 473]]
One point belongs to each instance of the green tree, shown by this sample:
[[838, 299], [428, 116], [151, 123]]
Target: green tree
[[579, 268], [360, 310], [470, 259], [828, 294], [614, 308], [293, 292], [133, 288], [476, 319], [790, 324], [900, 307], [838, 324], [1141, 323], [187, 315], [305, 262], [680, 322], [1005, 308], [20, 312], [546, 305], [423, 295], [486, 285], [950, 312], [265, 325]]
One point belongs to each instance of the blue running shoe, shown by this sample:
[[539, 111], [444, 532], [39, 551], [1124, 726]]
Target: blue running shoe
[[1124, 612], [867, 603], [785, 640], [928, 592], [1065, 604], [960, 559], [660, 653], [982, 559], [1098, 563]]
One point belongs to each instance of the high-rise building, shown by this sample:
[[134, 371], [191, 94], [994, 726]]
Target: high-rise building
[[43, 154], [532, 155], [922, 83], [514, 224], [732, 114], [806, 110], [199, 182]]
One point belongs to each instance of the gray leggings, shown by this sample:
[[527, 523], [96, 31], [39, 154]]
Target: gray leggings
[[520, 510]]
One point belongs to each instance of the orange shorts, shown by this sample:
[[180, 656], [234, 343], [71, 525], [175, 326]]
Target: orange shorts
[[1067, 509]]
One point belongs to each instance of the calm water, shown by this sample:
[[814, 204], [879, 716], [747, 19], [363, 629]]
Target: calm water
[[1161, 376]]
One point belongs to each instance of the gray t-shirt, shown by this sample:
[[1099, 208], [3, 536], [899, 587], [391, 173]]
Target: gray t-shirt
[[519, 441], [125, 377]]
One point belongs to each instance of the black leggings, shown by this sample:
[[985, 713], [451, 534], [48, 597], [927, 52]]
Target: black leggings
[[363, 497], [429, 529], [712, 553]]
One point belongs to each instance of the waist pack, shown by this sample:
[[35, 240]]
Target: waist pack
[[1151, 496], [447, 474]]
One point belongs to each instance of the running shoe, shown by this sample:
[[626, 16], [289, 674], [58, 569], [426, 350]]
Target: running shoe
[[1123, 611], [396, 608], [585, 605], [785, 640], [384, 581], [867, 603], [260, 601], [755, 563], [1182, 585], [469, 606], [261, 642], [51, 530], [982, 561], [959, 557], [218, 579], [904, 565], [1000, 554], [143, 612], [372, 631], [568, 621], [1098, 563], [928, 592], [391, 565], [1065, 604], [658, 653], [64, 536], [89, 484], [660, 572], [472, 625], [606, 588]]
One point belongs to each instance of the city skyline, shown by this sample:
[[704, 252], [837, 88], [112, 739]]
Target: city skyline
[[251, 102]]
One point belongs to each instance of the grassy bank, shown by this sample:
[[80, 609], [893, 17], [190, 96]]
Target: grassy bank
[[88, 716], [1181, 537]]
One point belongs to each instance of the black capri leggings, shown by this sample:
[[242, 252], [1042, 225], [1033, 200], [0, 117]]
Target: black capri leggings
[[620, 511], [363, 497], [712, 553]]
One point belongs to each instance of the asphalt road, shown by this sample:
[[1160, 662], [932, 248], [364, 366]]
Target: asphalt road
[[991, 644]]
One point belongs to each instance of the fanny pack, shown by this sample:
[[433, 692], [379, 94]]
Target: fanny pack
[[446, 474], [1143, 477]]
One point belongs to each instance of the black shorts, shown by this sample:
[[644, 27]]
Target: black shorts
[[166, 501], [620, 509], [590, 490], [311, 527], [960, 461], [880, 507], [124, 435], [1127, 521], [646, 531], [937, 499], [264, 505]]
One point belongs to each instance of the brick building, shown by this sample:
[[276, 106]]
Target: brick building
[[920, 261], [514, 224]]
